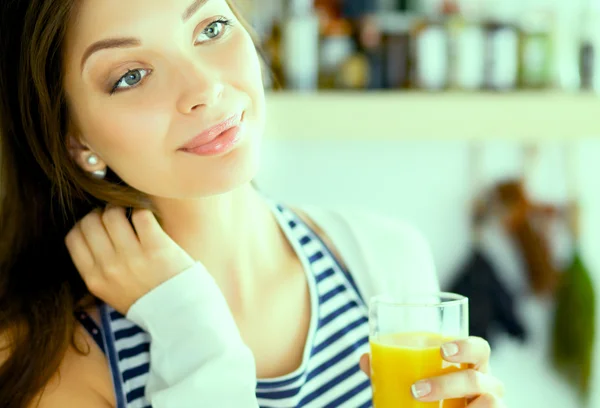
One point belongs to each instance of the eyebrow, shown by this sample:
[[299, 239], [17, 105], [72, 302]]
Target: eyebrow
[[129, 42], [109, 43], [192, 9]]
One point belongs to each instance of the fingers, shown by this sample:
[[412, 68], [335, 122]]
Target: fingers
[[487, 401], [365, 364], [100, 237], [97, 238], [460, 384], [474, 351], [150, 234], [78, 249], [120, 231]]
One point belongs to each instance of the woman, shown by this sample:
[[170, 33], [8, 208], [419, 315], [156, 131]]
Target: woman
[[183, 302]]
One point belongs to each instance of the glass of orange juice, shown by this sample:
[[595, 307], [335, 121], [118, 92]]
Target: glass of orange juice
[[406, 335]]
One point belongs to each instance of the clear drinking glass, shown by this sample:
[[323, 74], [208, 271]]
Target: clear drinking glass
[[406, 333]]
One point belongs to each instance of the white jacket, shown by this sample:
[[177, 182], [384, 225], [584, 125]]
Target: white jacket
[[206, 363]]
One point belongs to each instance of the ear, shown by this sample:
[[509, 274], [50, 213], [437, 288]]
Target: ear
[[84, 156]]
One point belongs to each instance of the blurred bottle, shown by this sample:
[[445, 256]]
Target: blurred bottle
[[589, 57], [430, 52], [402, 5], [467, 45], [502, 44], [535, 49], [336, 47], [355, 72], [364, 68], [565, 41], [396, 49], [300, 41]]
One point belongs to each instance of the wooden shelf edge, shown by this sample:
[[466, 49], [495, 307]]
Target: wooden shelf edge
[[543, 115]]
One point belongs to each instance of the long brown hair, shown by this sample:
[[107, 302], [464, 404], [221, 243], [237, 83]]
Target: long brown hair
[[42, 194]]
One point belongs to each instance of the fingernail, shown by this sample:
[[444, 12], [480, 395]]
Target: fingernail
[[450, 349], [421, 389]]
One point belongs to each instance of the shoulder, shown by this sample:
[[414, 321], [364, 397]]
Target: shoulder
[[384, 253], [82, 379]]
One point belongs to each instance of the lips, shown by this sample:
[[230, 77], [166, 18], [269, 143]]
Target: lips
[[210, 134]]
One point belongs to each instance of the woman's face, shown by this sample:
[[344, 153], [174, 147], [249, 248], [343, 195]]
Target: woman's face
[[146, 80]]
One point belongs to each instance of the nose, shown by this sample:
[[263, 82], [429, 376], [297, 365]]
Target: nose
[[200, 87]]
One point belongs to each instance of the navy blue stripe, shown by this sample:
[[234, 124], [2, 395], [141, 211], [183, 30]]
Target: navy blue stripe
[[324, 275], [346, 273], [279, 394], [328, 385], [337, 290], [136, 371], [134, 351], [112, 357], [315, 257], [292, 224], [128, 332], [114, 315], [331, 316], [339, 334], [348, 394], [278, 384], [350, 279], [337, 358], [368, 404], [92, 328], [135, 394], [305, 240]]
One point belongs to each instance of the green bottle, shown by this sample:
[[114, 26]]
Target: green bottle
[[574, 326], [535, 51]]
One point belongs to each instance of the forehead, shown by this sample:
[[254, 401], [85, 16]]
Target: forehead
[[94, 20]]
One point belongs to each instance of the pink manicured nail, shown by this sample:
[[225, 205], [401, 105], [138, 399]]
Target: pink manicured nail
[[421, 389], [450, 349]]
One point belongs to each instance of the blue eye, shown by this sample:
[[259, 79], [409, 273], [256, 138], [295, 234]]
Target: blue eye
[[131, 79], [134, 77], [214, 30]]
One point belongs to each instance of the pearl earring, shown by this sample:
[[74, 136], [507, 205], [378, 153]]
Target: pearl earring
[[92, 160], [99, 174]]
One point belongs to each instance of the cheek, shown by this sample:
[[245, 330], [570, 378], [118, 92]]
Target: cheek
[[247, 76], [139, 130], [244, 66], [129, 138]]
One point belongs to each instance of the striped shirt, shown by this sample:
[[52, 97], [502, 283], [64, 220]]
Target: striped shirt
[[329, 375]]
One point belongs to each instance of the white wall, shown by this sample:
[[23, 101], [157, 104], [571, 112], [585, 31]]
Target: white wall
[[429, 183]]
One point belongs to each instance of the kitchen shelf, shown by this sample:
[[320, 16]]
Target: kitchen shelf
[[527, 116]]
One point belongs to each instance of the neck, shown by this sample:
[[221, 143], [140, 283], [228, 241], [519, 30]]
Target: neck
[[234, 235]]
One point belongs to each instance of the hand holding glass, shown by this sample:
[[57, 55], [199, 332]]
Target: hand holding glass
[[406, 333]]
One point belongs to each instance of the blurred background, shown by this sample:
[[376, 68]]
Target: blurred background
[[478, 121]]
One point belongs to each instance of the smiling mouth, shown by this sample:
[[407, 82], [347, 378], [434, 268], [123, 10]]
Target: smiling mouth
[[212, 133], [217, 140]]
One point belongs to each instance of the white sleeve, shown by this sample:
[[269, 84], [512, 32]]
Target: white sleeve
[[384, 254], [197, 356], [400, 255]]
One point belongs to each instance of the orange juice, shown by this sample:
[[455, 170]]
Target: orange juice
[[400, 360]]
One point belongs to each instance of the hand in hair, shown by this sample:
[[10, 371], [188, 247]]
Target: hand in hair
[[120, 264]]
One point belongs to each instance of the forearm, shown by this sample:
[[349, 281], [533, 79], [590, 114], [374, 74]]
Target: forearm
[[197, 355]]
